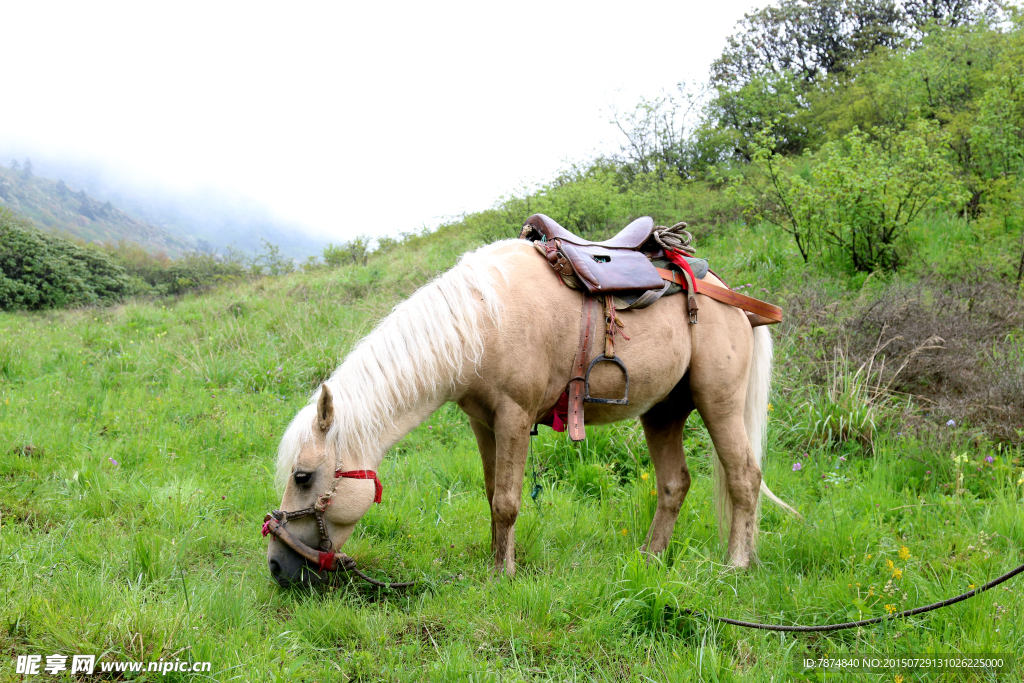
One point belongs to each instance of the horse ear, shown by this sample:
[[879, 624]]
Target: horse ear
[[325, 409]]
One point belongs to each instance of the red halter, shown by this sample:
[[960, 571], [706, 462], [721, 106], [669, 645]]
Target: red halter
[[364, 474]]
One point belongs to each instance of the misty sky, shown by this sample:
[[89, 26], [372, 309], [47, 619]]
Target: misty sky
[[350, 117]]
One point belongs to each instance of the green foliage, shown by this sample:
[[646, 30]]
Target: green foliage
[[39, 270], [156, 274], [355, 252], [735, 117], [859, 195]]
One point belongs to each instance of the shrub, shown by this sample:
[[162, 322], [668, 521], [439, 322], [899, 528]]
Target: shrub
[[39, 270], [355, 252], [859, 195]]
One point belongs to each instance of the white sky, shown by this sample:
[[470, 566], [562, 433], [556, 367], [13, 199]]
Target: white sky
[[346, 117]]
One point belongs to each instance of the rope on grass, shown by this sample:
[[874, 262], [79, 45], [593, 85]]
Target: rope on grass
[[865, 622], [348, 564]]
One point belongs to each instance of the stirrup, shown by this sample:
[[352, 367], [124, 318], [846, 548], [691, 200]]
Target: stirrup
[[587, 398]]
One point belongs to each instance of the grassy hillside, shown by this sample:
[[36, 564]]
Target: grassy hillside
[[53, 206], [136, 456]]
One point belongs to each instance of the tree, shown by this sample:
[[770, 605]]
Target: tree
[[656, 139], [920, 13], [735, 116], [26, 169], [808, 38]]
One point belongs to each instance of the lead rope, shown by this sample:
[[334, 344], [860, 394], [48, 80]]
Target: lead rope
[[349, 565], [865, 622], [537, 488]]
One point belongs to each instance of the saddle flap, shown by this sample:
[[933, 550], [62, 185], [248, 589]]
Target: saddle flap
[[607, 271]]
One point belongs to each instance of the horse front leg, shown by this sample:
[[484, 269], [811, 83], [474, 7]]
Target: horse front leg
[[663, 427], [487, 445], [512, 441]]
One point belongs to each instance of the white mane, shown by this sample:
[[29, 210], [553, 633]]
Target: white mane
[[415, 355]]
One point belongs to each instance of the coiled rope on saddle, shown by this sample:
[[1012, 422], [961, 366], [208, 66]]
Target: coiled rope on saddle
[[676, 241], [676, 238]]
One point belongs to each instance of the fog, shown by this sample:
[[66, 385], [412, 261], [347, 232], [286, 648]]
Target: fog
[[339, 118]]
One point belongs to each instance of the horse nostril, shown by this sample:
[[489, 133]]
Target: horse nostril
[[275, 568]]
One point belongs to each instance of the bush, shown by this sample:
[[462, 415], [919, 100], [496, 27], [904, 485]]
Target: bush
[[859, 195], [158, 274], [39, 270]]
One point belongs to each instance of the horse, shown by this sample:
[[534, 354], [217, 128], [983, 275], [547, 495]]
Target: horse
[[497, 334]]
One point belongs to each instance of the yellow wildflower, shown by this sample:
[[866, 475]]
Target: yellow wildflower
[[653, 492], [898, 679], [770, 407], [625, 531], [644, 476], [904, 553], [890, 609], [897, 573], [971, 586], [889, 564], [868, 557]]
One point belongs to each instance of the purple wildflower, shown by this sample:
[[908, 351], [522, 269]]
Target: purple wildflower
[[951, 423], [112, 461], [797, 467], [989, 459]]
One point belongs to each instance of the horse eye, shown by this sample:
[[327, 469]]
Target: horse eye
[[303, 478]]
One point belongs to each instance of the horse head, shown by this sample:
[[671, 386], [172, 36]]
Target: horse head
[[322, 500]]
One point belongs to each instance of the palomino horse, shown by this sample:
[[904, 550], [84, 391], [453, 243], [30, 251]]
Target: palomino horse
[[497, 334]]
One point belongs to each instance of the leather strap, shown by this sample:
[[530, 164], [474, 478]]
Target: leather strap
[[579, 369], [727, 296]]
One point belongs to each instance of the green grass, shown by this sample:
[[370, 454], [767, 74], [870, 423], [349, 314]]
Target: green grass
[[130, 528]]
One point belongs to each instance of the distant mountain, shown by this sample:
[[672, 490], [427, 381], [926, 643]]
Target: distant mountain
[[54, 206], [204, 219]]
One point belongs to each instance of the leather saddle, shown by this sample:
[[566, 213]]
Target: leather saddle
[[613, 266]]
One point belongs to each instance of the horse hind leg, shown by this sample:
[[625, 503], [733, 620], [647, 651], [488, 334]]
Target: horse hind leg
[[663, 427], [738, 481]]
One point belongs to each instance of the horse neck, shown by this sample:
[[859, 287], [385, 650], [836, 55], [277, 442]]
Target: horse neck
[[370, 455], [408, 422]]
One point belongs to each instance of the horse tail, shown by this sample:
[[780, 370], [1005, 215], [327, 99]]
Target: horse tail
[[755, 412], [755, 420]]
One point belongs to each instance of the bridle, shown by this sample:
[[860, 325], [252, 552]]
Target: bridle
[[274, 523]]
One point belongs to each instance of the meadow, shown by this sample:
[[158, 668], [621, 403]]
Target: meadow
[[136, 453]]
